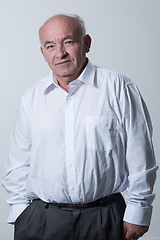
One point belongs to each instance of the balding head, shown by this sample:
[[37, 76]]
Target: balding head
[[74, 21]]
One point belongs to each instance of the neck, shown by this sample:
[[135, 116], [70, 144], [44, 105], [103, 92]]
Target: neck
[[64, 85]]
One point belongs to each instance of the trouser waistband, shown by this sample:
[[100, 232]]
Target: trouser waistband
[[100, 202], [39, 222]]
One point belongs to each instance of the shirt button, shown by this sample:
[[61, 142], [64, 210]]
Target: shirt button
[[70, 165], [73, 188]]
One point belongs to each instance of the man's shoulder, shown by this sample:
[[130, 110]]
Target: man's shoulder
[[112, 77]]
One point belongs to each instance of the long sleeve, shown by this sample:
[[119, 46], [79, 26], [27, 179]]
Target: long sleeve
[[140, 157], [17, 165]]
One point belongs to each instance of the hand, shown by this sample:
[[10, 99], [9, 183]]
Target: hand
[[132, 231]]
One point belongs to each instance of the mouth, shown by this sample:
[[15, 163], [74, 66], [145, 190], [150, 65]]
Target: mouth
[[63, 63]]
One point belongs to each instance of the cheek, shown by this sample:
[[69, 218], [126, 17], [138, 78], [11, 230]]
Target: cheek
[[49, 59], [75, 54], [78, 58]]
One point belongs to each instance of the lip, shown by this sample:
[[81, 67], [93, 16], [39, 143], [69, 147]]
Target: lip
[[62, 63]]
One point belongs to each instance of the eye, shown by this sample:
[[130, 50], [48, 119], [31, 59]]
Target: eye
[[50, 47], [68, 43]]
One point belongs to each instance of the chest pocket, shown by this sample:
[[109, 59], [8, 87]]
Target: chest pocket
[[101, 133]]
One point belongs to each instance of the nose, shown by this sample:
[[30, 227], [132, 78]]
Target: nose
[[60, 51]]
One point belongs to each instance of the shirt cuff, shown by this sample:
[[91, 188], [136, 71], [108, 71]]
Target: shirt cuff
[[15, 211], [138, 215]]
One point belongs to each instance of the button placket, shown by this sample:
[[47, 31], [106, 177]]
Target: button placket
[[69, 142]]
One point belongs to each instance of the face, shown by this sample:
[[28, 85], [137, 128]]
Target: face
[[64, 48]]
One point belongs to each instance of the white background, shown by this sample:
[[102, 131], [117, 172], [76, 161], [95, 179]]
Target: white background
[[126, 39]]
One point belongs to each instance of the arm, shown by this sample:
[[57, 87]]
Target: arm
[[140, 162], [17, 165]]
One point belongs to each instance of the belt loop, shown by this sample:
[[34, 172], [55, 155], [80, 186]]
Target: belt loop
[[47, 204]]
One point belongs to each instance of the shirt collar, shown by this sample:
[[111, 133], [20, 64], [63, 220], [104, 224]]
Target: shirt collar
[[88, 74], [87, 77]]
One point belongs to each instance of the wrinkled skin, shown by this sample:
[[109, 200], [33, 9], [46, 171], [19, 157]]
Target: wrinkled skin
[[132, 231]]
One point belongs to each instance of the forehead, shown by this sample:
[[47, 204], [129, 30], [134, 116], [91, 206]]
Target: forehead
[[59, 27]]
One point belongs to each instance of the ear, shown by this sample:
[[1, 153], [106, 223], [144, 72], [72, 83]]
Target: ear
[[42, 51], [87, 43]]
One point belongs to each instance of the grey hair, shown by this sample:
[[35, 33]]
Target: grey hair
[[78, 18], [80, 21]]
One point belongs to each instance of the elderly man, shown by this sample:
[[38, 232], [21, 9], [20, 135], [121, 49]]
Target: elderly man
[[82, 135]]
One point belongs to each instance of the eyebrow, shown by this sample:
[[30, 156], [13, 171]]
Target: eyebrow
[[63, 39], [68, 37], [48, 42]]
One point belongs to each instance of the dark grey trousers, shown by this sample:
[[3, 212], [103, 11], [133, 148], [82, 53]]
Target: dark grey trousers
[[41, 221]]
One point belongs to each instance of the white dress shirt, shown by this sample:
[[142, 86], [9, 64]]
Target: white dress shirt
[[83, 145]]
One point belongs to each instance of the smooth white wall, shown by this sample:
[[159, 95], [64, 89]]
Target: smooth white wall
[[126, 38]]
